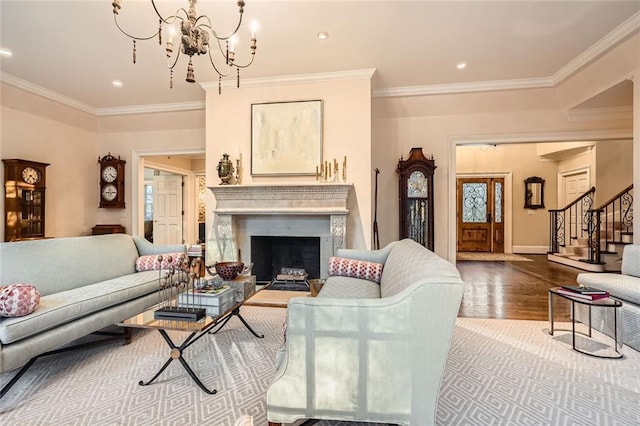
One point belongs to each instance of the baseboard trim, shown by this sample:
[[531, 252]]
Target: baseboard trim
[[530, 249]]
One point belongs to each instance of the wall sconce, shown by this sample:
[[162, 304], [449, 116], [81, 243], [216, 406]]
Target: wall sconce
[[534, 193]]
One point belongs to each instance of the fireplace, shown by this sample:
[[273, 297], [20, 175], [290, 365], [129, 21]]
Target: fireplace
[[270, 254], [243, 212]]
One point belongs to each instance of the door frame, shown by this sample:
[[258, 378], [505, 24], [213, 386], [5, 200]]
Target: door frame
[[508, 204], [562, 176], [137, 194]]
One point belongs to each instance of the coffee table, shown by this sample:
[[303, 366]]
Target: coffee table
[[196, 330], [606, 303]]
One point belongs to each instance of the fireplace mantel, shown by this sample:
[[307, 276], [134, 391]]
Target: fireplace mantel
[[271, 199], [298, 210]]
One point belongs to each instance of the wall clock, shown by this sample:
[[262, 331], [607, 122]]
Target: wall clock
[[416, 197], [24, 201], [111, 182]]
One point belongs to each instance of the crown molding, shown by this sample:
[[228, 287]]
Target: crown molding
[[595, 114], [480, 86], [293, 79], [27, 86], [151, 108], [621, 32], [607, 42], [579, 135]]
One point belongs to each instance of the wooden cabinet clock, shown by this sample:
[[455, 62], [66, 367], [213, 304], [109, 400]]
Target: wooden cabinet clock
[[111, 182], [24, 199], [416, 197]]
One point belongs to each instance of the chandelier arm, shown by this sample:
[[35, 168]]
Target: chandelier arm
[[245, 65], [213, 64], [168, 20], [175, 61], [210, 27], [115, 19]]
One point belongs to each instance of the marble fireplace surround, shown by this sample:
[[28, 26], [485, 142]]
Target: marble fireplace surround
[[287, 210]]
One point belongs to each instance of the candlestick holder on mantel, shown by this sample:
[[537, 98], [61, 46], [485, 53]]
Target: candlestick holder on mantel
[[329, 172]]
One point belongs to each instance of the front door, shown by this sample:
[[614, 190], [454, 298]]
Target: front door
[[480, 214], [167, 209]]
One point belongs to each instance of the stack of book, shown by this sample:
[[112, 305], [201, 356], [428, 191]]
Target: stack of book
[[585, 293]]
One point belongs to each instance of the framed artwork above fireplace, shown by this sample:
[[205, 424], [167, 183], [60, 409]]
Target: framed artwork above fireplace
[[286, 138]]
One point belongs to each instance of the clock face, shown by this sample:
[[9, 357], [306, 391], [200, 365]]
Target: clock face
[[417, 185], [30, 175], [109, 192], [109, 174]]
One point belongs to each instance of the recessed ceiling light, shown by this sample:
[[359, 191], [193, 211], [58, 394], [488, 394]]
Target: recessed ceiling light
[[323, 35], [5, 52], [116, 83], [461, 66]]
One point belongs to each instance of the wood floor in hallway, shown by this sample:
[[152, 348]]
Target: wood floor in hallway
[[513, 290]]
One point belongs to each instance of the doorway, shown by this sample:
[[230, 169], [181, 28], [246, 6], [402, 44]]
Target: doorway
[[480, 214]]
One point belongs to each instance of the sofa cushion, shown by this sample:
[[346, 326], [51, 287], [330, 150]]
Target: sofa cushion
[[65, 306], [144, 247], [349, 288], [59, 264], [377, 256], [355, 268], [152, 262], [623, 287], [17, 300]]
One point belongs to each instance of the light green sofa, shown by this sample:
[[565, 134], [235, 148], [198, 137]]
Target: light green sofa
[[362, 351], [85, 283]]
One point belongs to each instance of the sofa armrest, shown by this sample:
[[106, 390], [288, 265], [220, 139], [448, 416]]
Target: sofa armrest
[[366, 359], [146, 248], [631, 260], [376, 256]]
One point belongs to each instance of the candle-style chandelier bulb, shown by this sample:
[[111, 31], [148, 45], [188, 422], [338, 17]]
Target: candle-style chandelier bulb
[[197, 36]]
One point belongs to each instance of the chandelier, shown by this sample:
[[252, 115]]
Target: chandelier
[[197, 37]]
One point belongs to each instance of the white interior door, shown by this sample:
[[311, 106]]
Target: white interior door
[[575, 185], [167, 209]]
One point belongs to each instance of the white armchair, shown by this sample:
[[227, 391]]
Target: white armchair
[[370, 359]]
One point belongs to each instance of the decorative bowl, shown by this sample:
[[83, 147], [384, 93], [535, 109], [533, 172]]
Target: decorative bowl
[[229, 270]]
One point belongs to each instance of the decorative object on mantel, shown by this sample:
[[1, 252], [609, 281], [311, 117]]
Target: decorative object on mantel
[[196, 34], [330, 172], [416, 197], [286, 138], [225, 170]]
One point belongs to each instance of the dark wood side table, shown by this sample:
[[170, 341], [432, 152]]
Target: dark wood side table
[[107, 229]]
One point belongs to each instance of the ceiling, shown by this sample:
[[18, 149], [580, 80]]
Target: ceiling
[[74, 49]]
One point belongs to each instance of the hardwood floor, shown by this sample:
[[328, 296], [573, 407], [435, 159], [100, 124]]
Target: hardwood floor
[[513, 290]]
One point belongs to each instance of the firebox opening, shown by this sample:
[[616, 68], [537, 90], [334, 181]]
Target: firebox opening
[[270, 254]]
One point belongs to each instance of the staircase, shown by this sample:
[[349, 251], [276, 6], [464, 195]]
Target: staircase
[[592, 239]]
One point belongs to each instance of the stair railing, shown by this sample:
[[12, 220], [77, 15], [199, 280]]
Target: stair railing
[[570, 222], [609, 222]]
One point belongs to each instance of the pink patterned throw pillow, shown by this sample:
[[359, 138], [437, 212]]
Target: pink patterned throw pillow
[[17, 300], [151, 263], [355, 268]]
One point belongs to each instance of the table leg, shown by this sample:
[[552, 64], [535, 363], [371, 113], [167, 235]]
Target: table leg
[[176, 353], [551, 313], [236, 312], [573, 324]]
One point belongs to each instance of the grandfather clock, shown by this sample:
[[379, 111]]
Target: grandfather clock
[[24, 199], [111, 182], [416, 197]]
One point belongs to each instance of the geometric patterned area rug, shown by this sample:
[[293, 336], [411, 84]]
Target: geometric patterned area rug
[[491, 257], [499, 372]]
